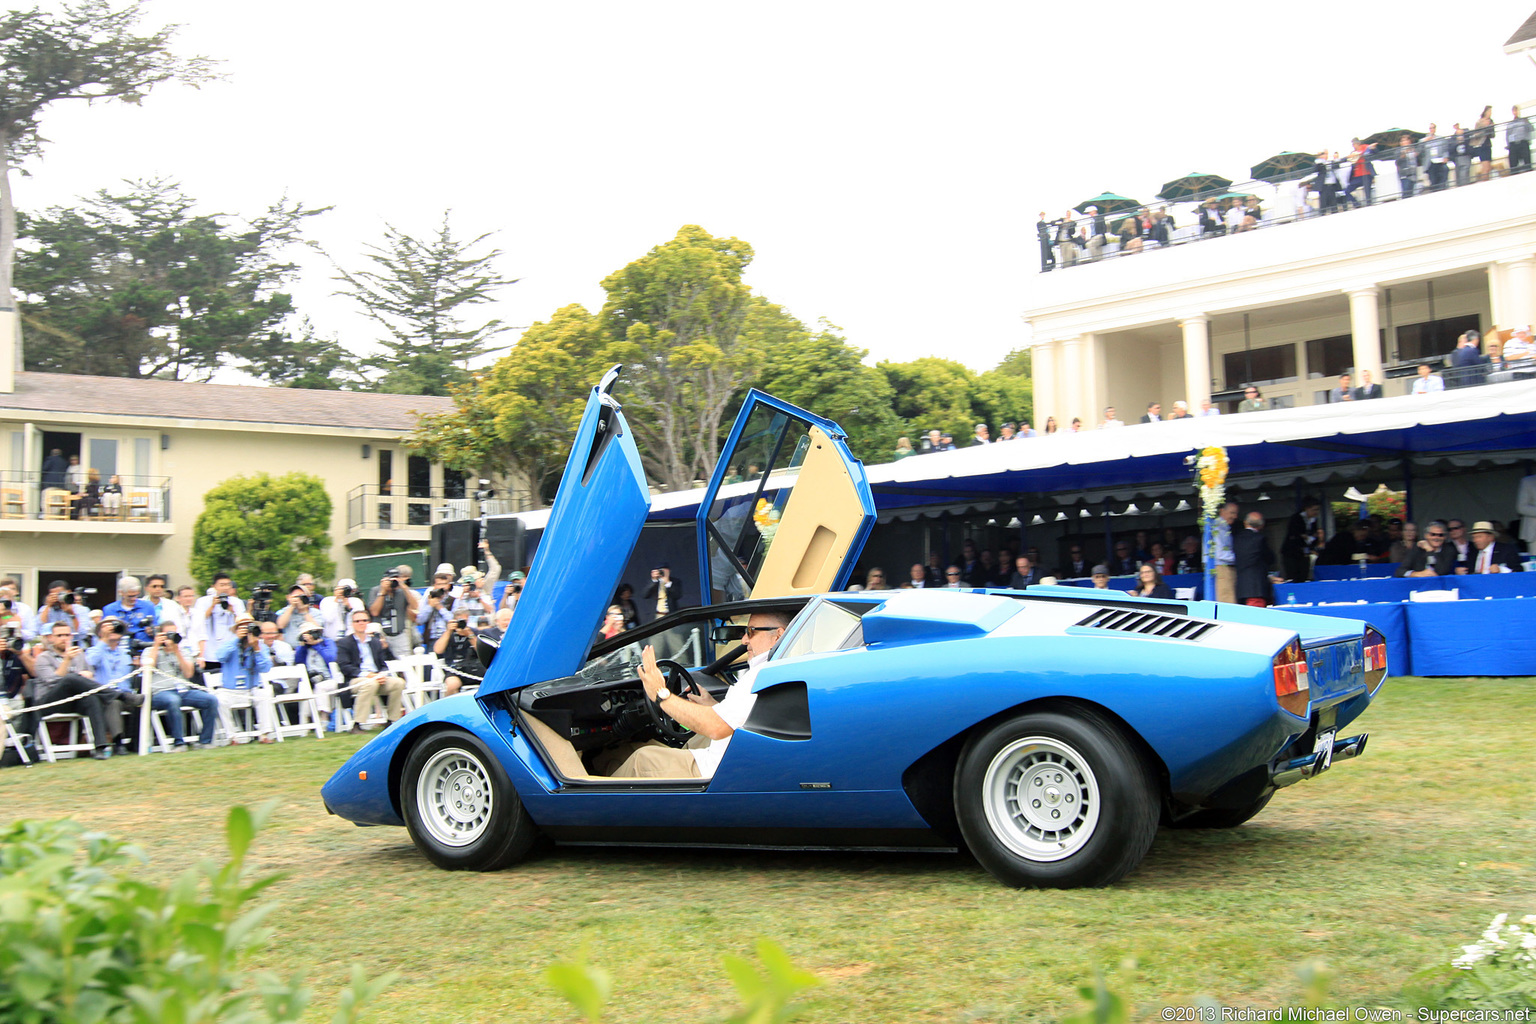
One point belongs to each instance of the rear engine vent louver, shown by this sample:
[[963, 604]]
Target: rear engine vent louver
[[1132, 620]]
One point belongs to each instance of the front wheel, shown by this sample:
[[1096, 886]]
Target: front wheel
[[460, 807], [1056, 799]]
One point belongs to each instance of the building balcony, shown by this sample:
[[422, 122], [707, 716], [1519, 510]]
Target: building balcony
[[409, 513], [29, 504]]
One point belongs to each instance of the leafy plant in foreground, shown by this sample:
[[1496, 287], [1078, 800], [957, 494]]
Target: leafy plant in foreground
[[83, 941]]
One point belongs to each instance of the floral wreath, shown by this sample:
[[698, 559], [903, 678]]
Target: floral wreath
[[767, 519], [1211, 470]]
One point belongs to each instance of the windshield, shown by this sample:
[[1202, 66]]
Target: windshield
[[686, 643]]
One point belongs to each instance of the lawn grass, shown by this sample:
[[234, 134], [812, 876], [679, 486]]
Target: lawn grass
[[1377, 870]]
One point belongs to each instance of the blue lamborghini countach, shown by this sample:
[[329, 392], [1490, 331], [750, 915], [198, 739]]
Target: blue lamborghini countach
[[1048, 731]]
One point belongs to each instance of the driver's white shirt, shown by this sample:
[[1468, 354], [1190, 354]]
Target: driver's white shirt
[[733, 710]]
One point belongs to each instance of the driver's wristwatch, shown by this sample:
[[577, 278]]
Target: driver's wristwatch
[[662, 694]]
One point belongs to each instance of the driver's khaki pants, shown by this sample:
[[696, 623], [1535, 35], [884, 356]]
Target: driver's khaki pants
[[658, 761]]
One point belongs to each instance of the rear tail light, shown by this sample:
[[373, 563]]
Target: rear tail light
[[1375, 660], [1291, 679]]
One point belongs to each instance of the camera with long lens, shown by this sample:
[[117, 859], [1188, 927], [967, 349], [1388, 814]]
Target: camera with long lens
[[440, 593], [10, 638], [347, 593], [261, 601], [68, 597]]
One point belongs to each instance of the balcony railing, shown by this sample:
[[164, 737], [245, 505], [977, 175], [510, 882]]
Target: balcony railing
[[139, 499], [1293, 197], [404, 508]]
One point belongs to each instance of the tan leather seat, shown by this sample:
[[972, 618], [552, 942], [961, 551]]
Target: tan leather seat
[[567, 761]]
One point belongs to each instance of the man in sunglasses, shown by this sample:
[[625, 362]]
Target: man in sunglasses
[[712, 722], [1432, 556]]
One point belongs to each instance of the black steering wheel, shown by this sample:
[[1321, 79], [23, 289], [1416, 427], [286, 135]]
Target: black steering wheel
[[680, 682]]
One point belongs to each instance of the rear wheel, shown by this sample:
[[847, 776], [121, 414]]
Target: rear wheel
[[1055, 799], [1223, 817], [460, 807]]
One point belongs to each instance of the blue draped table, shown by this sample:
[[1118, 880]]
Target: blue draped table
[[1353, 572], [1510, 584]]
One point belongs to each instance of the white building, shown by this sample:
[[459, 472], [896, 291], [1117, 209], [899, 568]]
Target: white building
[[1288, 307]]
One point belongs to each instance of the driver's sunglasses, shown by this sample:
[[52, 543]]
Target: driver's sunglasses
[[761, 629]]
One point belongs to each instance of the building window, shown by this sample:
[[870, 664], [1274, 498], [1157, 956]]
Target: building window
[[1434, 337], [103, 457], [418, 472], [1329, 357], [386, 470], [1261, 366], [453, 483]]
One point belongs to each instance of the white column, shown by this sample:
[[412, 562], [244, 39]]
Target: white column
[[1044, 366], [1197, 359], [1365, 329], [10, 350], [1514, 304], [1069, 371]]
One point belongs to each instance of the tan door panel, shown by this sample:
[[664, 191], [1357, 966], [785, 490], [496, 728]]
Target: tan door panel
[[820, 521]]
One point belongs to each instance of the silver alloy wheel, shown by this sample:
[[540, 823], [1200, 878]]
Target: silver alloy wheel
[[454, 796], [1041, 798]]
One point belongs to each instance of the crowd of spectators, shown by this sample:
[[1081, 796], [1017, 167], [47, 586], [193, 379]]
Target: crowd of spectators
[[197, 651], [1330, 182]]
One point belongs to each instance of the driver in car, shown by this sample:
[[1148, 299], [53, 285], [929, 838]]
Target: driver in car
[[712, 722]]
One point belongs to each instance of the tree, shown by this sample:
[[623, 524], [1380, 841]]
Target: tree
[[521, 414], [1006, 392], [416, 290], [823, 373], [263, 528], [674, 319], [135, 284], [307, 361], [933, 394], [86, 51]]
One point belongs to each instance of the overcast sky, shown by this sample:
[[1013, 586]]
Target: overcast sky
[[886, 161]]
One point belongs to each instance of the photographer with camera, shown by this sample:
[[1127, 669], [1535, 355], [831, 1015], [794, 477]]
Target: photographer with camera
[[244, 664], [114, 661], [141, 616], [393, 605], [213, 618], [473, 602], [62, 605], [436, 611], [170, 683], [12, 606], [317, 653], [336, 610], [298, 613], [55, 677], [665, 589], [456, 647], [514, 591]]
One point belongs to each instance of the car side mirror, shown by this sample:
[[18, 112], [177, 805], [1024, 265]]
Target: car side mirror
[[485, 650]]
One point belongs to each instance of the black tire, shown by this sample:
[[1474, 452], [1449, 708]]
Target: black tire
[[1092, 783], [485, 827], [1223, 817]]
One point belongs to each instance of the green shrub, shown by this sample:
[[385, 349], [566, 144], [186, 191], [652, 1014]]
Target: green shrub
[[1497, 972], [83, 941]]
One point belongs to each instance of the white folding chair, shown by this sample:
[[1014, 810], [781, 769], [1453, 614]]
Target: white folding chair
[[340, 717], [73, 745], [301, 694], [418, 688], [12, 735], [152, 731], [232, 701]]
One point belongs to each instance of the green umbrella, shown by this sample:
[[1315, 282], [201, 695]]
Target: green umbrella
[[1283, 167], [1108, 203], [1391, 137], [1192, 185], [1233, 195]]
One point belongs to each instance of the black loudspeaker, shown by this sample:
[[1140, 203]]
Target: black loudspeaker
[[508, 544], [456, 542]]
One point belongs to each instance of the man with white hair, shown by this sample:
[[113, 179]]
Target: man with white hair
[[139, 615], [1098, 230], [1519, 346]]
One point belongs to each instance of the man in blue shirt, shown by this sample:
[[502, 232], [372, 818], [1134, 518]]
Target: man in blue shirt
[[62, 605], [112, 663], [244, 664], [141, 616]]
